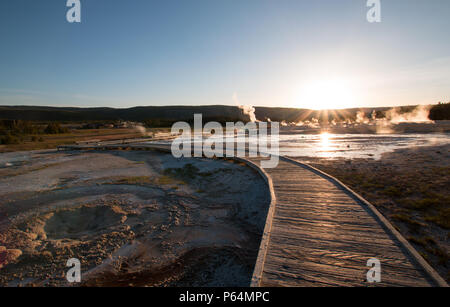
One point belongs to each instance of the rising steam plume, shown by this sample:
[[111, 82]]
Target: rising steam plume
[[247, 110], [419, 115]]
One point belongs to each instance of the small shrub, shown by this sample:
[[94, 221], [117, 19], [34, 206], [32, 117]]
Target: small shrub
[[9, 140], [55, 128]]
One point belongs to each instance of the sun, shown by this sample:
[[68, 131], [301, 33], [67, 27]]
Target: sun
[[326, 94]]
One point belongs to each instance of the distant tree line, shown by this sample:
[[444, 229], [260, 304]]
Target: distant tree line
[[159, 123], [156, 115], [14, 131], [440, 111], [55, 128]]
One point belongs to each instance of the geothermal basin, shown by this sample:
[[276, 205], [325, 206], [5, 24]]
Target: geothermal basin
[[131, 218]]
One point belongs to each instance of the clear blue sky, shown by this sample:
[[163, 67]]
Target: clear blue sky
[[253, 52]]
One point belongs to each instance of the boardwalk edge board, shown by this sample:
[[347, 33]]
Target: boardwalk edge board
[[260, 260]]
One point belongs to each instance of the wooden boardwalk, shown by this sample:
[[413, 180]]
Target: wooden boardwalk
[[321, 236], [320, 233]]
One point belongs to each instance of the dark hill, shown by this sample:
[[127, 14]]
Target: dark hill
[[185, 113]]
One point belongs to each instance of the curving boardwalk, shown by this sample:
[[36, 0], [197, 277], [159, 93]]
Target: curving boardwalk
[[321, 236], [319, 233]]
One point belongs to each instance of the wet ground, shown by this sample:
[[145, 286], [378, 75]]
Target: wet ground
[[131, 218]]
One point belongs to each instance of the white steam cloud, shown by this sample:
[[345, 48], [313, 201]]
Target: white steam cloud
[[248, 110], [419, 115], [142, 130]]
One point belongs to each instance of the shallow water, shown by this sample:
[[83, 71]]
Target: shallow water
[[348, 146], [354, 145]]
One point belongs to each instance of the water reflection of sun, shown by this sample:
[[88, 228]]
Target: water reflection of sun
[[325, 140], [325, 144]]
